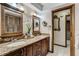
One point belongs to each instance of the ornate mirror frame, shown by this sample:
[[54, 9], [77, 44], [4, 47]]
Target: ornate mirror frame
[[56, 23], [36, 25]]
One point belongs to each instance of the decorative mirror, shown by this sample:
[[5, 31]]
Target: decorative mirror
[[44, 23], [56, 23], [36, 25]]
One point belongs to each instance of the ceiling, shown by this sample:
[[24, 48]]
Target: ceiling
[[47, 6], [43, 7], [38, 5], [44, 4]]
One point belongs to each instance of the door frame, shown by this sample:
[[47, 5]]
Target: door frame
[[66, 30], [72, 27]]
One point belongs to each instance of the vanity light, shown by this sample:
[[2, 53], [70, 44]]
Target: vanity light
[[33, 13], [21, 8]]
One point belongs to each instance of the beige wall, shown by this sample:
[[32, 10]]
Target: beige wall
[[77, 25], [46, 17], [59, 36], [77, 28]]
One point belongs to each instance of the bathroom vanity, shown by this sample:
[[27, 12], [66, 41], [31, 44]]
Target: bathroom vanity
[[37, 46]]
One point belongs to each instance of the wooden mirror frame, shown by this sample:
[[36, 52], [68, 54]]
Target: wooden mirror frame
[[33, 19], [58, 23]]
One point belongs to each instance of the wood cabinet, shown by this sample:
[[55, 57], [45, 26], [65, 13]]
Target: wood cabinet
[[16, 53], [39, 48]]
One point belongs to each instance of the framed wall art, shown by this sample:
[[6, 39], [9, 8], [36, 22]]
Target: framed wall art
[[56, 23]]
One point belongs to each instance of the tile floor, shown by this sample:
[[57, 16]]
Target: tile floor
[[61, 51], [77, 52]]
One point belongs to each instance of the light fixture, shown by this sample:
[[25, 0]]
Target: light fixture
[[21, 8], [33, 13]]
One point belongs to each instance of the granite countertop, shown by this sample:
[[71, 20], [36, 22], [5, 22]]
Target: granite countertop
[[5, 49]]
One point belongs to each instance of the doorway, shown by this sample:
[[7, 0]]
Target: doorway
[[67, 18], [72, 28]]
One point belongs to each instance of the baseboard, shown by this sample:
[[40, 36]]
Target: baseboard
[[60, 45], [51, 51]]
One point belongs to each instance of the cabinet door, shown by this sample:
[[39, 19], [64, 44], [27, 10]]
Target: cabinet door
[[39, 48], [44, 46], [16, 53], [47, 44], [28, 50], [34, 49]]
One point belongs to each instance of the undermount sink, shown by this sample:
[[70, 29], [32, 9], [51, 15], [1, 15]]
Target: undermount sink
[[15, 44]]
